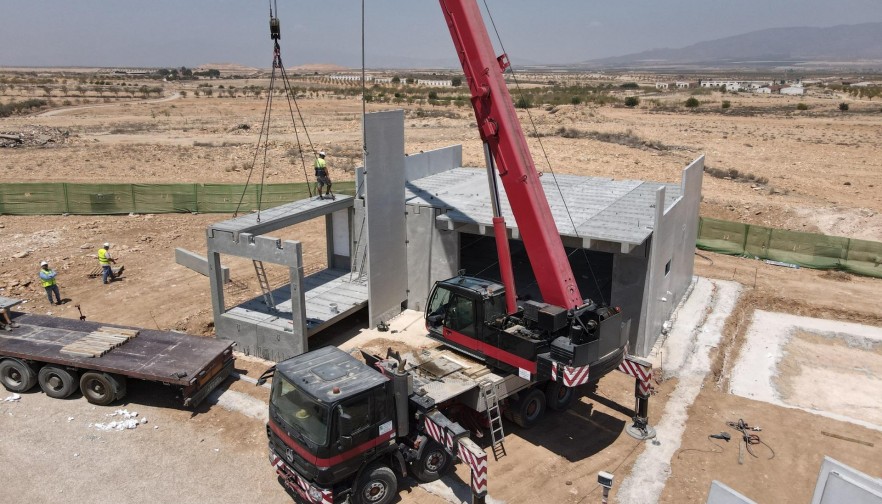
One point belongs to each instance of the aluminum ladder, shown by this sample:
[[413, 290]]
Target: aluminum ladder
[[264, 285], [491, 401]]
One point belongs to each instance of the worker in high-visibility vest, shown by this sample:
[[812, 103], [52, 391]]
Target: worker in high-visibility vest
[[105, 261], [321, 176], [47, 278]]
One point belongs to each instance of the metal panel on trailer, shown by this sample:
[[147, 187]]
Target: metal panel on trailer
[[384, 197]]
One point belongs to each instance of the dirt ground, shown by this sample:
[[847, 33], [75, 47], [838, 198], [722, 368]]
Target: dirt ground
[[822, 169]]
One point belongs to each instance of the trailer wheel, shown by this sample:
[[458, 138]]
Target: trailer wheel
[[432, 464], [102, 388], [559, 397], [16, 375], [527, 410], [56, 382], [377, 485]]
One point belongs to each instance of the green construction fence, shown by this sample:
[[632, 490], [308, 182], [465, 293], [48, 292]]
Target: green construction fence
[[809, 250], [108, 199]]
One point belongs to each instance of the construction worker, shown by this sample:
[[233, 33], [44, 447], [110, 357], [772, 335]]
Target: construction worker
[[47, 278], [321, 176], [8, 325], [105, 261]]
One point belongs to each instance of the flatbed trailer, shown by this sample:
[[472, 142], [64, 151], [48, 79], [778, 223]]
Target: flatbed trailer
[[43, 350]]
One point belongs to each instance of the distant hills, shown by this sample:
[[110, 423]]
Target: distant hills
[[771, 47]]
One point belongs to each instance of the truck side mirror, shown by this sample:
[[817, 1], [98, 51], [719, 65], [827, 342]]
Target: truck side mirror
[[345, 426]]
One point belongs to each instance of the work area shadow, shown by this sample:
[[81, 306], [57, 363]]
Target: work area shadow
[[575, 434]]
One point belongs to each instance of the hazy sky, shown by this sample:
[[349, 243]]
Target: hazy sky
[[398, 33]]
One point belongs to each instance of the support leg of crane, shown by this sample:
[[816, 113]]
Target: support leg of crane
[[640, 429]]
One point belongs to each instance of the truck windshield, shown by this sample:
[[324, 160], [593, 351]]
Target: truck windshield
[[307, 416]]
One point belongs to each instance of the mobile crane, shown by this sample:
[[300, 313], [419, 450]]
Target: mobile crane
[[341, 429]]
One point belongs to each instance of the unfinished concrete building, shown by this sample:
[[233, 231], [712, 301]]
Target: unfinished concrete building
[[424, 217]]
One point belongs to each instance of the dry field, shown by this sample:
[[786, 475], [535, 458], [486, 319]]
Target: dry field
[[821, 168]]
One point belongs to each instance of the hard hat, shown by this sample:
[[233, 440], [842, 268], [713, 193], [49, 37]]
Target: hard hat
[[106, 245], [321, 153], [44, 263]]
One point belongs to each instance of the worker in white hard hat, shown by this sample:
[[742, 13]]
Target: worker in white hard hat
[[47, 279], [105, 261], [321, 176]]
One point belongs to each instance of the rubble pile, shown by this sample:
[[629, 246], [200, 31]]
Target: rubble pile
[[33, 136]]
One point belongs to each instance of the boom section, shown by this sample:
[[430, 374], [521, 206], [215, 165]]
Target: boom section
[[500, 129]]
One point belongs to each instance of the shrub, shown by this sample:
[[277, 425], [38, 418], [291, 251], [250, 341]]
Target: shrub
[[630, 85], [692, 102], [433, 95], [843, 107], [456, 82], [632, 101], [575, 100], [726, 104], [801, 106], [523, 103]]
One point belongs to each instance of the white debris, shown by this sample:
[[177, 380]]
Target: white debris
[[129, 421], [12, 398], [70, 419]]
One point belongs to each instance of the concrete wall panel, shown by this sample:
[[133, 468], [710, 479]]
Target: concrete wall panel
[[384, 205], [432, 254]]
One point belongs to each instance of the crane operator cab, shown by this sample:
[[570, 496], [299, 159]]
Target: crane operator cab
[[468, 314]]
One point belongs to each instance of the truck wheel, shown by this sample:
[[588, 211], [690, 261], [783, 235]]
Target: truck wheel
[[527, 411], [558, 397], [16, 375], [432, 464], [56, 382], [377, 485], [102, 388]]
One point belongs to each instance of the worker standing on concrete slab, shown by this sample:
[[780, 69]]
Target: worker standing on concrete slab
[[321, 176], [105, 261], [47, 278]]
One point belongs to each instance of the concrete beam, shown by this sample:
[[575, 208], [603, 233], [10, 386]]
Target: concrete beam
[[256, 248], [198, 263], [283, 216]]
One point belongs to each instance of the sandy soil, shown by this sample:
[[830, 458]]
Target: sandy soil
[[807, 157]]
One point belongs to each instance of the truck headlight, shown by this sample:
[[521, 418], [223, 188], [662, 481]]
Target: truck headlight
[[315, 494]]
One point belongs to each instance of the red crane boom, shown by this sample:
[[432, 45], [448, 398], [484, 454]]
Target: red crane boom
[[501, 131]]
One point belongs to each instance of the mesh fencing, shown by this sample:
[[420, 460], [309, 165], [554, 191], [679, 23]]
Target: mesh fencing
[[807, 250], [109, 199]]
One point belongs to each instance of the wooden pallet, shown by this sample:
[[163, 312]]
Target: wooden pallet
[[99, 342]]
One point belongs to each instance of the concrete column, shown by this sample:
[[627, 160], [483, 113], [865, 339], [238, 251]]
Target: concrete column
[[216, 281], [299, 339]]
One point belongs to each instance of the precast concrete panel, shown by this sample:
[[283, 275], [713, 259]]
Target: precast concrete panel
[[384, 210], [432, 254], [722, 494], [671, 254], [838, 482], [425, 164]]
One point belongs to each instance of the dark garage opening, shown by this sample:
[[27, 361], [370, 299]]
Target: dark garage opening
[[593, 276]]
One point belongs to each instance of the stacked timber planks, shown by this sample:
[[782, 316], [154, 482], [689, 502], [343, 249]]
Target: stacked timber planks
[[99, 342]]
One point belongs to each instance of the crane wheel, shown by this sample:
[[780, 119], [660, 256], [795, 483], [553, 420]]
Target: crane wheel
[[102, 388], [528, 409], [432, 464], [57, 382], [16, 375], [559, 397], [376, 485]]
